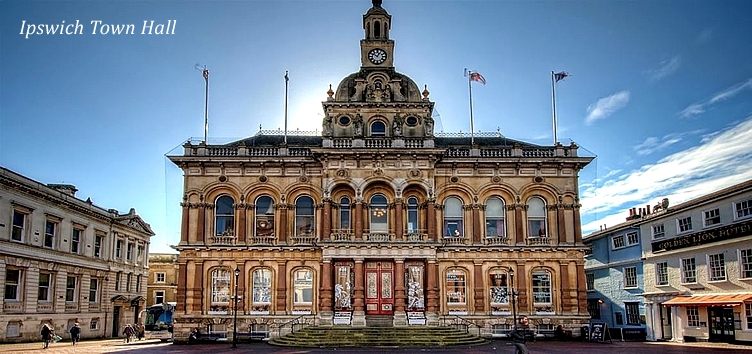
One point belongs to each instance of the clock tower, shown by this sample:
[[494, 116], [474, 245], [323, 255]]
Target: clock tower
[[376, 49]]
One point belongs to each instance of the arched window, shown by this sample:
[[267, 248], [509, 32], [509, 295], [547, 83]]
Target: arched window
[[377, 29], [499, 288], [495, 225], [344, 213], [224, 216], [536, 217], [456, 286], [453, 220], [378, 128], [302, 286], [264, 216], [412, 215], [220, 291], [379, 215], [542, 288], [304, 221], [262, 290]]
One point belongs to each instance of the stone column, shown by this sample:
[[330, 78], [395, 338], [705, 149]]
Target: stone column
[[432, 288], [520, 275], [242, 290], [325, 302], [282, 236], [240, 210], [479, 291], [326, 224], [577, 225], [201, 227], [581, 289], [519, 223], [399, 227], [182, 293], [358, 218], [431, 220], [281, 288], [184, 223], [561, 225], [198, 287], [359, 289], [476, 224], [399, 285], [566, 295]]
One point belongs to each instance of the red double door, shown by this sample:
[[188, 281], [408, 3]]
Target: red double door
[[379, 284]]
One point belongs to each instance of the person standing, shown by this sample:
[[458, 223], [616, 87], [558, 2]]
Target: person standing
[[47, 334], [75, 333], [519, 336]]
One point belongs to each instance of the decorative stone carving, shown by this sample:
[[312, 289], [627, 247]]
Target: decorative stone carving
[[358, 125], [327, 126], [428, 126], [360, 86]]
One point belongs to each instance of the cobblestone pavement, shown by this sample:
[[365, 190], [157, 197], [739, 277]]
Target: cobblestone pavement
[[494, 346]]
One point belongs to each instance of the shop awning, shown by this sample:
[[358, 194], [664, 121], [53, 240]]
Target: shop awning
[[709, 300]]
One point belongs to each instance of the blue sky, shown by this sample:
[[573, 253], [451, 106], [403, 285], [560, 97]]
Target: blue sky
[[659, 91]]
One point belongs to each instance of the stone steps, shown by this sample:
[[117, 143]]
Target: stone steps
[[339, 337]]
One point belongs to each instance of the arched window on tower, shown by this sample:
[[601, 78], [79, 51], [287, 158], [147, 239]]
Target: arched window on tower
[[304, 220], [344, 213], [378, 214], [453, 220], [536, 217], [378, 128], [412, 215], [224, 216], [377, 29], [264, 216], [495, 225]]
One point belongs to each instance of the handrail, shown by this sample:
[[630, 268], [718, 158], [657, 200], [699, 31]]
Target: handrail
[[299, 321], [460, 322]]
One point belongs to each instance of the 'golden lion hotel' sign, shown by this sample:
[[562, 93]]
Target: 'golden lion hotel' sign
[[704, 237]]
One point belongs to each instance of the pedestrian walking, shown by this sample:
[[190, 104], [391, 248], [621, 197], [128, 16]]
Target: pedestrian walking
[[75, 333], [47, 333], [128, 332], [519, 337]]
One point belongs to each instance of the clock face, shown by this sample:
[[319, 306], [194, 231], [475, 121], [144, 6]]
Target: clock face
[[377, 56]]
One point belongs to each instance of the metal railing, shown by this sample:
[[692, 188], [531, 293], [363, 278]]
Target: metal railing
[[296, 324], [460, 324]]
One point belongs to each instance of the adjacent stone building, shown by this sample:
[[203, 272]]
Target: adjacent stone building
[[379, 220], [65, 260], [162, 286]]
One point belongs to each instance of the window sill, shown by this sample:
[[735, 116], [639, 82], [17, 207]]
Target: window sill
[[717, 281]]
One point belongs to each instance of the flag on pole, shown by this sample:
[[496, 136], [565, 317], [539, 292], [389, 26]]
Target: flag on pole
[[560, 76], [206, 74], [477, 77]]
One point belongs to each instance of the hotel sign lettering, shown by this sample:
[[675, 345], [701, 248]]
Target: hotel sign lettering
[[704, 237]]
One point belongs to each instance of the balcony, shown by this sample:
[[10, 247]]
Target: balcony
[[539, 241], [305, 239], [498, 241], [342, 235], [223, 240], [416, 236], [378, 236], [264, 240], [454, 240]]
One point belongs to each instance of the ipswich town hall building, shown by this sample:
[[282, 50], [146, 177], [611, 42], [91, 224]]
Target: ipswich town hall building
[[379, 221]]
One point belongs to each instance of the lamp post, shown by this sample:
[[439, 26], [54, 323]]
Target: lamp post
[[513, 295], [235, 313]]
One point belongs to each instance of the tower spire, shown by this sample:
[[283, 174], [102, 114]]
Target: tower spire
[[376, 3]]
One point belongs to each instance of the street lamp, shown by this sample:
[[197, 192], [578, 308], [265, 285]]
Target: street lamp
[[235, 313], [513, 295]]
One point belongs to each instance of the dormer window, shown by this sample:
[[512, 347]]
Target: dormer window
[[378, 128]]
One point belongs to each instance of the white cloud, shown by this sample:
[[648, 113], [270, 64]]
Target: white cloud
[[705, 36], [665, 68], [653, 144], [606, 106], [699, 108], [721, 159]]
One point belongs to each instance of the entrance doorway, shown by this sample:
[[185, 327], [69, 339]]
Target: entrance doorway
[[379, 288], [116, 321], [721, 324]]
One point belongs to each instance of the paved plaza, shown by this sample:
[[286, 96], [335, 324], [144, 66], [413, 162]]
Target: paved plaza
[[494, 346]]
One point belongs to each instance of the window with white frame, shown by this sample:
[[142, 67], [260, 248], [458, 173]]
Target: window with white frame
[[128, 280], [264, 216], [71, 283], [44, 287], [661, 273], [536, 217], [98, 241], [743, 208], [542, 294], [224, 216], [716, 267], [305, 222], [632, 239], [76, 240], [658, 231], [456, 282], [118, 280], [50, 230], [684, 224], [12, 284], [159, 297], [220, 289], [138, 283], [119, 249], [495, 218], [344, 213], [618, 241], [159, 277], [129, 252], [633, 313], [590, 281], [453, 219], [413, 223], [689, 270], [693, 316], [94, 290], [712, 217], [748, 312], [18, 229], [139, 254], [745, 262], [630, 277], [302, 286], [262, 289], [94, 324]]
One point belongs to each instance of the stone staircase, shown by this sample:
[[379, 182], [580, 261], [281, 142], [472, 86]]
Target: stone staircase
[[339, 337]]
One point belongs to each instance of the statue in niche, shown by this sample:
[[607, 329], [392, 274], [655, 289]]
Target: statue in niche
[[396, 91], [327, 126], [397, 125], [358, 95], [428, 126], [376, 92], [358, 125]]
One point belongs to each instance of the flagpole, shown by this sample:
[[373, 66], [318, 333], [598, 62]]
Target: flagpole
[[287, 81], [470, 89], [206, 105], [553, 105]]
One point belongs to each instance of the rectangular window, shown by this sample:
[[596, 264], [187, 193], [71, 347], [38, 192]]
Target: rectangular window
[[745, 262], [160, 277], [75, 240], [118, 280], [743, 208], [693, 316], [119, 249], [159, 297], [43, 294], [712, 217], [456, 287], [633, 313], [19, 226], [70, 289], [139, 254], [658, 231], [128, 280], [94, 324], [129, 252], [618, 241], [684, 224], [589, 250], [630, 277], [632, 239], [98, 240], [661, 273], [619, 318], [716, 267], [12, 285], [590, 281], [138, 283], [689, 271], [94, 290], [50, 229], [594, 308], [542, 288], [748, 311]]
